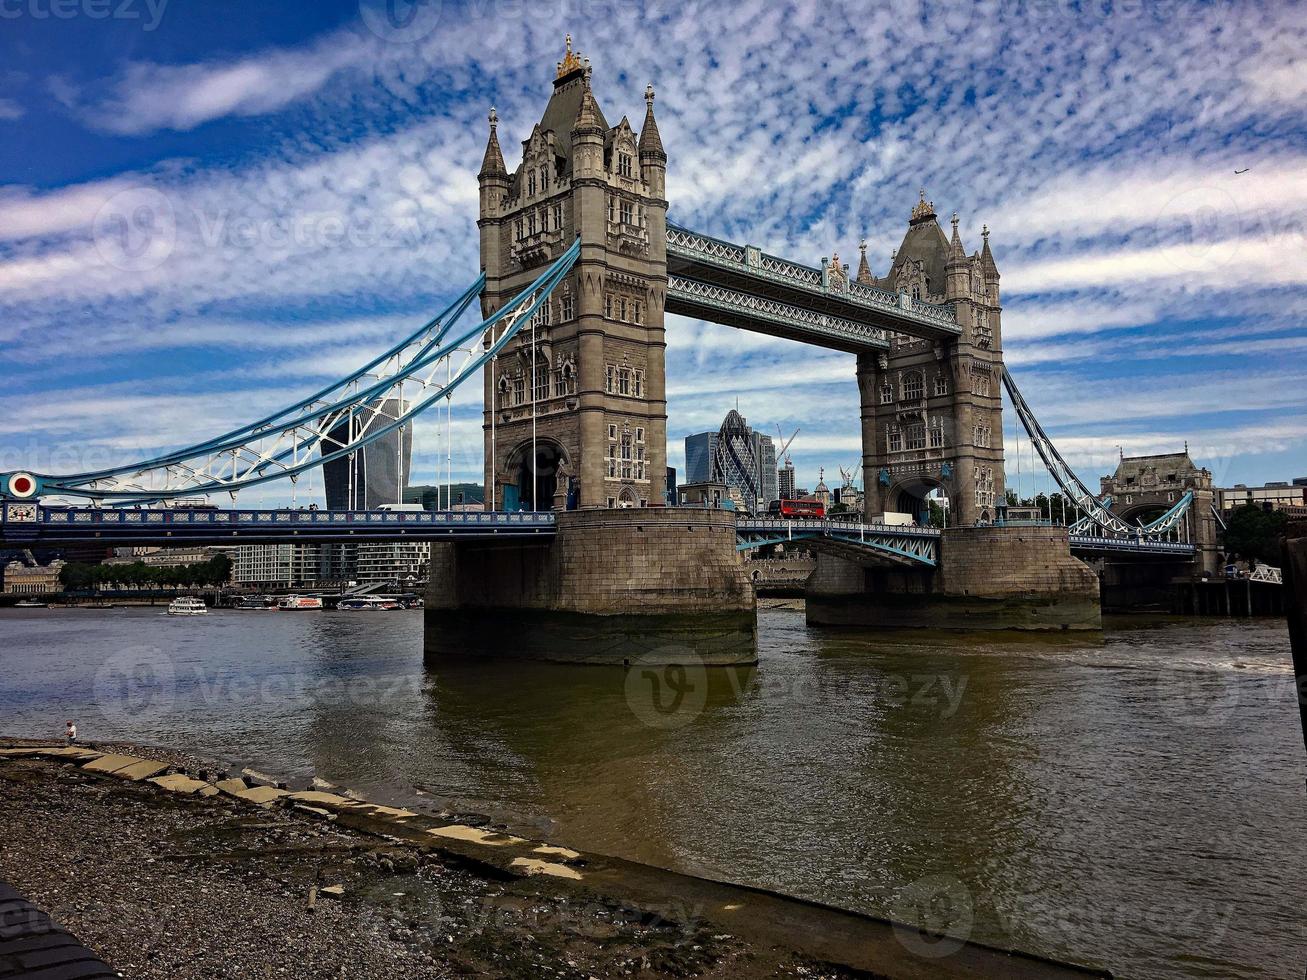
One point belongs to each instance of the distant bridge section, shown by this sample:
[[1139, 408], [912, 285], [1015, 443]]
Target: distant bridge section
[[26, 524], [32, 525], [745, 278]]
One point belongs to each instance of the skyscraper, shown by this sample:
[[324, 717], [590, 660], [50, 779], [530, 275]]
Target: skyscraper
[[699, 450], [785, 481], [737, 456], [374, 476]]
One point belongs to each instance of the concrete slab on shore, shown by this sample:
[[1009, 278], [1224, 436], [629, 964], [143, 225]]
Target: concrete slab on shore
[[185, 785], [262, 795], [112, 763], [142, 769]]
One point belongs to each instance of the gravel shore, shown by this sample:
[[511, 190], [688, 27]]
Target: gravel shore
[[182, 887]]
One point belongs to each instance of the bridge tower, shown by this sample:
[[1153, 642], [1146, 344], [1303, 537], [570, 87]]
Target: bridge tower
[[576, 409], [932, 411]]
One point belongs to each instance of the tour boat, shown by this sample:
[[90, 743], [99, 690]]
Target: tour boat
[[187, 606], [31, 604], [299, 603], [253, 602], [370, 603]]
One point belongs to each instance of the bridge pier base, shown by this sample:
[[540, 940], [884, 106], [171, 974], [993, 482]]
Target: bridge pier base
[[988, 578], [612, 586]]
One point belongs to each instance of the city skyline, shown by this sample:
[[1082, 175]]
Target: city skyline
[[1120, 254]]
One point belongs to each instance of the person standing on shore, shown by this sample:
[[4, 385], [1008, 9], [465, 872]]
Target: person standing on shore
[[71, 733]]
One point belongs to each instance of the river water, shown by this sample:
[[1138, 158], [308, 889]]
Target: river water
[[1133, 801]]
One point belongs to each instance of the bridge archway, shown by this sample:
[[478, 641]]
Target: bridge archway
[[915, 494], [537, 480]]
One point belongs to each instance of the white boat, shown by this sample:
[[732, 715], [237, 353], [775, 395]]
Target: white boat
[[368, 603], [299, 603], [31, 604], [187, 606]]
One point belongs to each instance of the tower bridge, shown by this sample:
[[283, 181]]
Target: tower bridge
[[579, 268]]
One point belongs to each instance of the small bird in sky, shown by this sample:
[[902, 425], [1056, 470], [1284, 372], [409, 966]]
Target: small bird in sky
[[1243, 171]]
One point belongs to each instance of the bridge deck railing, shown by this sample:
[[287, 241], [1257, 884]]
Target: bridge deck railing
[[291, 518]]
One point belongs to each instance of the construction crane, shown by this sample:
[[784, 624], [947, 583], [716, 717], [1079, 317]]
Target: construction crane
[[784, 452]]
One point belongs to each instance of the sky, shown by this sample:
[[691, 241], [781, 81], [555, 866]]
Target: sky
[[208, 209]]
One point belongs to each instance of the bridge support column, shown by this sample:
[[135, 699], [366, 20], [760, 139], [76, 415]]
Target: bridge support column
[[637, 585], [988, 578]]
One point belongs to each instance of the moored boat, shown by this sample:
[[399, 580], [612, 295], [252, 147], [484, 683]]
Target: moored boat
[[299, 603], [368, 603]]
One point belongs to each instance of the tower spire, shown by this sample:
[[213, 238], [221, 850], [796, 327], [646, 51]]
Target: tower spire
[[492, 164], [864, 267], [955, 249], [987, 257], [587, 115], [651, 143]]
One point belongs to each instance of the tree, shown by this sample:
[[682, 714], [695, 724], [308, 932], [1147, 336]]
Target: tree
[[1251, 532]]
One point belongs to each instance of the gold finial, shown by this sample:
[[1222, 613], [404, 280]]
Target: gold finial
[[923, 208], [571, 60]]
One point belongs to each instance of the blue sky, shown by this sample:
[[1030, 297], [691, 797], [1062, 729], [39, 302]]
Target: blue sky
[[302, 177]]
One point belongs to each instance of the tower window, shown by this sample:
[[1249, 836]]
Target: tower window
[[624, 164], [558, 217], [569, 308], [626, 213], [544, 178], [886, 393], [894, 438], [624, 381], [937, 435], [916, 437], [941, 384], [639, 384], [639, 314], [531, 184], [914, 388]]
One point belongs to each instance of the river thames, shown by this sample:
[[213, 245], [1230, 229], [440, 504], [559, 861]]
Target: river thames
[[1133, 801]]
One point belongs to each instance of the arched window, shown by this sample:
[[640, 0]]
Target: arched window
[[531, 185], [544, 178], [914, 386]]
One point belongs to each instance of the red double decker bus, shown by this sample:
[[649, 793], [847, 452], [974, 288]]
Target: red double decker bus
[[803, 508]]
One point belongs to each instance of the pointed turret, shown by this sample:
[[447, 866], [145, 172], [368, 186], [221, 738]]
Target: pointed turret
[[956, 253], [989, 267], [492, 164], [651, 143], [864, 267], [987, 257], [957, 267], [588, 118]]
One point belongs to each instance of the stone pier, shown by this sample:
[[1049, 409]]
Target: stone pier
[[989, 578], [648, 585]]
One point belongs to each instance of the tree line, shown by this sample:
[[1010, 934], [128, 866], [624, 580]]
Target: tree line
[[76, 577]]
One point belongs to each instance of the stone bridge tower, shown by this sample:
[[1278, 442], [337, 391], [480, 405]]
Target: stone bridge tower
[[591, 388], [932, 412]]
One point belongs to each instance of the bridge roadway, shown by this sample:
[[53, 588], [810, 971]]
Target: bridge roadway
[[26, 525], [709, 278]]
